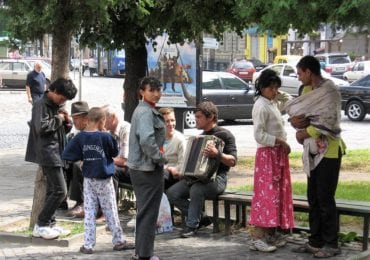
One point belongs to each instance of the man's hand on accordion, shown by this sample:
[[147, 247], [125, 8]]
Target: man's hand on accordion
[[211, 151]]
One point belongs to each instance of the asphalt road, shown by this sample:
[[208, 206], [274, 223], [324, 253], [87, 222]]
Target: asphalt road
[[98, 91]]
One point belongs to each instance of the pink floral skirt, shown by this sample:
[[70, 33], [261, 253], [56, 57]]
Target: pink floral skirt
[[272, 203]]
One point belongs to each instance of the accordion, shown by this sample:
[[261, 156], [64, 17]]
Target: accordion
[[196, 165]]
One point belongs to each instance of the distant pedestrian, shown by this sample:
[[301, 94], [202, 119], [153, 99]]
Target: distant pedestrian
[[97, 149], [92, 66], [35, 83], [145, 161], [272, 204], [48, 127]]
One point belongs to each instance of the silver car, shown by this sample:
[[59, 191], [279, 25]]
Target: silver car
[[289, 78], [13, 72]]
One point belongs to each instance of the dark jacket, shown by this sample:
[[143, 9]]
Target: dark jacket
[[47, 136]]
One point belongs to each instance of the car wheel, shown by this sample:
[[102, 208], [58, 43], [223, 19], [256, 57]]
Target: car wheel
[[189, 119], [355, 110]]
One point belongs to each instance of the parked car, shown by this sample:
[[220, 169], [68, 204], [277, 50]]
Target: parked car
[[258, 65], [13, 72], [356, 99], [233, 97], [289, 78], [293, 59], [359, 70], [243, 69], [45, 67], [336, 64]]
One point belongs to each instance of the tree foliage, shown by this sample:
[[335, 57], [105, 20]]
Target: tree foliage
[[128, 24], [305, 16], [30, 20]]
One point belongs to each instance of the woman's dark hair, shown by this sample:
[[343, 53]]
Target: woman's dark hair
[[64, 87], [267, 78], [311, 63]]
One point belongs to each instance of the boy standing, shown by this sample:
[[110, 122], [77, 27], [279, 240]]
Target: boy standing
[[48, 128], [97, 149]]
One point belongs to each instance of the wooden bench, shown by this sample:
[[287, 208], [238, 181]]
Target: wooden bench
[[242, 200]]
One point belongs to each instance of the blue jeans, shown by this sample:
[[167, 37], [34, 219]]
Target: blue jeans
[[180, 193], [56, 191]]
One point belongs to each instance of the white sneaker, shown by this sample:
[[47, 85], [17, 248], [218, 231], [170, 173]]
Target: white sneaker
[[262, 246], [61, 231], [44, 232]]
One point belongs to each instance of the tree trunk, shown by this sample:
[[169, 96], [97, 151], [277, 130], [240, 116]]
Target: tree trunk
[[38, 196], [41, 47], [60, 50], [136, 68], [45, 40]]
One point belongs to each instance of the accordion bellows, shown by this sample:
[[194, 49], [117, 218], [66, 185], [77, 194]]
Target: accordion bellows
[[197, 165]]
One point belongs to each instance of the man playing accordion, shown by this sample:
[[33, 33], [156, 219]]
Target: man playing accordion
[[189, 194]]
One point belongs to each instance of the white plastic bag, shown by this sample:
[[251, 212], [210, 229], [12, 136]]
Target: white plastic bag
[[164, 221]]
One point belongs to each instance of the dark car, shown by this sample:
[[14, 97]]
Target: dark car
[[356, 99], [233, 97], [243, 69], [258, 65]]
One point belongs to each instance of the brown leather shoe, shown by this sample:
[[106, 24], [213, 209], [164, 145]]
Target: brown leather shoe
[[77, 212]]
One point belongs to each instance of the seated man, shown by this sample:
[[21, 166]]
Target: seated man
[[206, 115], [120, 130], [174, 148]]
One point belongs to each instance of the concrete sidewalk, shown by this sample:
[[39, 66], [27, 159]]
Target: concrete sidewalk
[[16, 192]]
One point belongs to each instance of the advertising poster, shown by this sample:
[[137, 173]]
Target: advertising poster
[[175, 66]]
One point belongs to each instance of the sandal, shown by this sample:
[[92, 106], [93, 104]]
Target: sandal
[[306, 248], [278, 240], [327, 252]]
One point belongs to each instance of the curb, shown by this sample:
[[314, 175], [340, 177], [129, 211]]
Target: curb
[[28, 239], [361, 256]]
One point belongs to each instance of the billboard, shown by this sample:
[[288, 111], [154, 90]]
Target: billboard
[[175, 66]]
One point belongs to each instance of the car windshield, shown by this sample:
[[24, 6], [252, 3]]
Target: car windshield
[[277, 68], [339, 59], [364, 82], [256, 62], [232, 82], [243, 65]]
